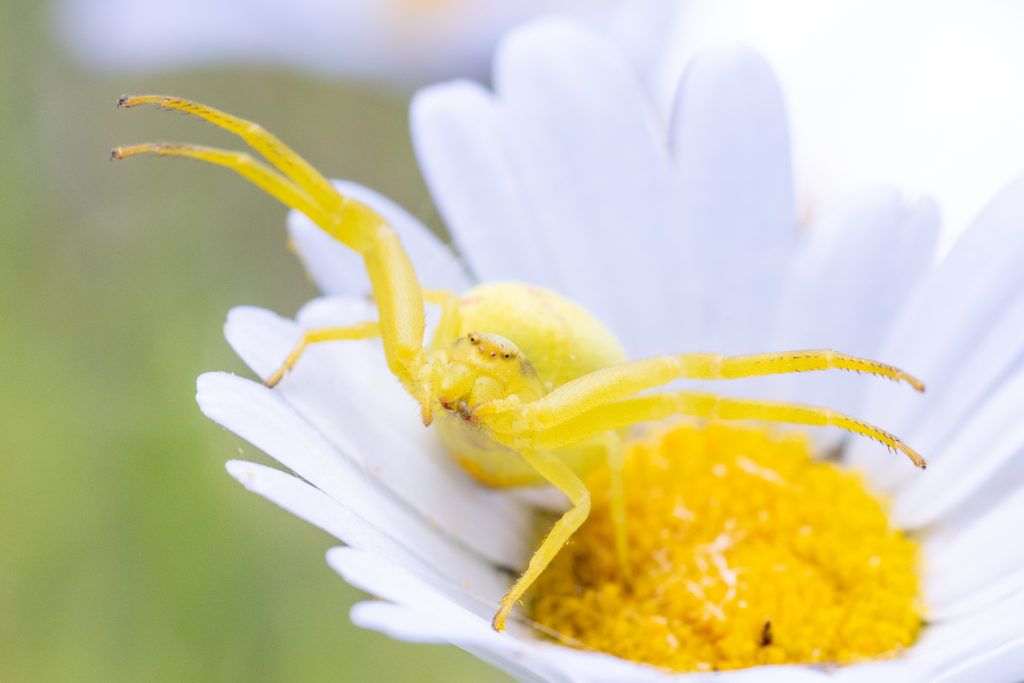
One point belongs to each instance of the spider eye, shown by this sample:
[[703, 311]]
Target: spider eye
[[507, 356], [472, 339]]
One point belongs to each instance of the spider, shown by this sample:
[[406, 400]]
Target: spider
[[526, 387]]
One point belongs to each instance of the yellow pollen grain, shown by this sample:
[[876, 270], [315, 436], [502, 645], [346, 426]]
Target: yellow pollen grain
[[742, 551]]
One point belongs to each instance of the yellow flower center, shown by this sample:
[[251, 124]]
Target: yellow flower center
[[742, 551]]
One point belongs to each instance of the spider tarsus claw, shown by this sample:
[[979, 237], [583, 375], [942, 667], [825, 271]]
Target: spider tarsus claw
[[498, 623]]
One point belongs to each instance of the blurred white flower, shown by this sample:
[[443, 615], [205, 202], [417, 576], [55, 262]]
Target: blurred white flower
[[917, 94], [402, 41], [682, 237]]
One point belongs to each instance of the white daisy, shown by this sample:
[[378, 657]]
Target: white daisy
[[401, 41], [683, 238]]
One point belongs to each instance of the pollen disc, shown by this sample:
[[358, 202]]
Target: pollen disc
[[742, 551]]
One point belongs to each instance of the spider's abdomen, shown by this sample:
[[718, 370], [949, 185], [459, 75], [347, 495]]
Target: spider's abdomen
[[561, 339]]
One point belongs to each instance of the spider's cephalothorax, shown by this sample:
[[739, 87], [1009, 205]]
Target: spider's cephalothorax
[[531, 388], [537, 341]]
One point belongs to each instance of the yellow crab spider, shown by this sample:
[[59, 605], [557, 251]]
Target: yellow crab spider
[[527, 387]]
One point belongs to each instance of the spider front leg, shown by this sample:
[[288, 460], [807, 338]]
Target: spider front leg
[[297, 184], [568, 482]]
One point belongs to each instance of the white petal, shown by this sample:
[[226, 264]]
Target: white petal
[[415, 626], [420, 615], [337, 269], [580, 217], [957, 398], [890, 671], [326, 311], [262, 418], [957, 580], [911, 94], [730, 148], [986, 442], [419, 549], [859, 261], [458, 144], [580, 133], [944, 334], [572, 214], [374, 574], [1002, 664], [262, 339], [325, 450], [334, 268], [860, 258], [949, 643]]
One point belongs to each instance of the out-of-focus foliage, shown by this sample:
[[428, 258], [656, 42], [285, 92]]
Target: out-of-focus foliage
[[126, 552]]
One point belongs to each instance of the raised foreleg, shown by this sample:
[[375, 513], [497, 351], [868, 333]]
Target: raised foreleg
[[298, 185]]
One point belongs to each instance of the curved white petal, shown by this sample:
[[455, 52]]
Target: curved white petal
[[859, 261], [947, 644], [336, 269], [564, 187], [984, 641], [735, 210], [944, 333], [261, 338], [955, 583], [991, 437], [1002, 664], [861, 256], [458, 144], [418, 549], [426, 627], [420, 615], [995, 355], [912, 94], [527, 191], [325, 450], [580, 135]]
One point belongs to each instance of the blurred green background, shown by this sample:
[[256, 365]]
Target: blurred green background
[[126, 551]]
